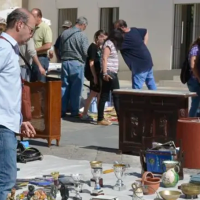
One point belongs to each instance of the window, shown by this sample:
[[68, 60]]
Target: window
[[107, 17], [66, 14]]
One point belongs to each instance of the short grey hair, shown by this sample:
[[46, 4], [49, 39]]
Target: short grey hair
[[16, 15], [82, 20]]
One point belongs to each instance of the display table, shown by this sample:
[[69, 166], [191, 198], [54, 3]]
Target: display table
[[147, 116], [188, 130], [67, 167]]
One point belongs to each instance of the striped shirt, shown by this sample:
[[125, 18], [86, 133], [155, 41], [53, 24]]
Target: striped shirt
[[113, 60]]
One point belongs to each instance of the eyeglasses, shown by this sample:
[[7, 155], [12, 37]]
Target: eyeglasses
[[32, 30]]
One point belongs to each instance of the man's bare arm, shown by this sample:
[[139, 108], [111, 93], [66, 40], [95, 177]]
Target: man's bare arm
[[37, 62], [146, 38], [45, 47]]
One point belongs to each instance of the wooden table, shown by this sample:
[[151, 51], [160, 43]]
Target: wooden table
[[147, 116]]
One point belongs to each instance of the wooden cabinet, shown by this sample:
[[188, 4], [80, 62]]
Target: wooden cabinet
[[46, 110], [149, 114]]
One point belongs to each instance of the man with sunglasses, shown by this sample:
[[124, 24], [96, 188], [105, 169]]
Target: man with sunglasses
[[17, 33], [43, 41]]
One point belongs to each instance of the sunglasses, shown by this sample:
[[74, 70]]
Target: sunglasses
[[32, 30]]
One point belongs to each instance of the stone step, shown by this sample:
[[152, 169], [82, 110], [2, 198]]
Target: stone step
[[176, 78], [171, 83]]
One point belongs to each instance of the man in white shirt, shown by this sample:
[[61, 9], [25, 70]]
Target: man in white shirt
[[20, 28]]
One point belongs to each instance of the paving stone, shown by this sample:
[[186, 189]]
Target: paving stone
[[133, 161], [66, 151], [84, 154], [43, 150], [108, 156]]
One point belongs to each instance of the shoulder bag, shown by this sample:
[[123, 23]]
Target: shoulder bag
[[26, 94]]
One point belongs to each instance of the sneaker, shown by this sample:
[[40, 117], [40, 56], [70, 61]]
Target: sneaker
[[86, 118], [104, 122]]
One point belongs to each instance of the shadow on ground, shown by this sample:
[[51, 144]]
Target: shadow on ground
[[102, 149]]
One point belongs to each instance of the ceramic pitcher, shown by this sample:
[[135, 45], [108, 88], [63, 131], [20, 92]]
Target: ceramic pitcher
[[137, 191], [170, 178]]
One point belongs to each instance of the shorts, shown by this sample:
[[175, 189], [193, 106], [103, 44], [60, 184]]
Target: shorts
[[95, 87]]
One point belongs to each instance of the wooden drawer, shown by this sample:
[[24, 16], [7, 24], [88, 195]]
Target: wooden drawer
[[132, 99], [163, 101]]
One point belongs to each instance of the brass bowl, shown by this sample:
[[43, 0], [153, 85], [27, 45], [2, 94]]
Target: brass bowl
[[170, 194], [190, 189], [96, 164]]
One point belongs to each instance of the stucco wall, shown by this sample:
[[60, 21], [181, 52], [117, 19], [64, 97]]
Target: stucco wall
[[156, 16], [5, 4]]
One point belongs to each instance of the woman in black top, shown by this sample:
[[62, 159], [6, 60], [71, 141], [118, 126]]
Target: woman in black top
[[92, 70]]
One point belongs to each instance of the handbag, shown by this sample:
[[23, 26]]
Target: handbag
[[26, 93], [26, 102], [26, 97], [185, 71]]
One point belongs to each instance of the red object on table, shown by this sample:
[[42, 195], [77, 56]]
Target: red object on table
[[188, 130]]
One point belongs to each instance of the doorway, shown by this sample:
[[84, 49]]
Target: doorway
[[184, 32]]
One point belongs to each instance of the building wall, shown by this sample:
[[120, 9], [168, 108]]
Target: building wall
[[157, 17], [5, 4]]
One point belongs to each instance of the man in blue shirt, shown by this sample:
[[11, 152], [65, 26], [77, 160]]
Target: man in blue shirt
[[137, 56], [20, 28]]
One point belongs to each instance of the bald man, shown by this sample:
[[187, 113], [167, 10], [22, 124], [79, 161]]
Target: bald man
[[20, 28], [43, 41]]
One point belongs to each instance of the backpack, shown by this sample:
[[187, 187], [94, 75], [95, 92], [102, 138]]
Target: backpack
[[185, 71], [25, 155], [88, 73]]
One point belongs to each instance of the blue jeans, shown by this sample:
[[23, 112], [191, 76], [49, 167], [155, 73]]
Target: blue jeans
[[138, 79], [72, 76], [194, 86], [8, 161], [36, 75]]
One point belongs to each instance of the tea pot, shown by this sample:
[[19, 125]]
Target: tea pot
[[137, 191]]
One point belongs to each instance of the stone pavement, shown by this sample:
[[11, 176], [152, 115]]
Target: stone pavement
[[86, 141]]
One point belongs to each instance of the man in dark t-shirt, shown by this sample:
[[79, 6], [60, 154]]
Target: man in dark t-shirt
[[137, 56]]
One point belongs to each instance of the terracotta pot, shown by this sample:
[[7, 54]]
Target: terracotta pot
[[152, 183], [188, 132]]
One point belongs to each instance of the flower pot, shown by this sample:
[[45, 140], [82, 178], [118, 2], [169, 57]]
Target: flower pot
[[150, 182]]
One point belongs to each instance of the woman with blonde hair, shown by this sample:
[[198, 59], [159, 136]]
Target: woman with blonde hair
[[194, 81]]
